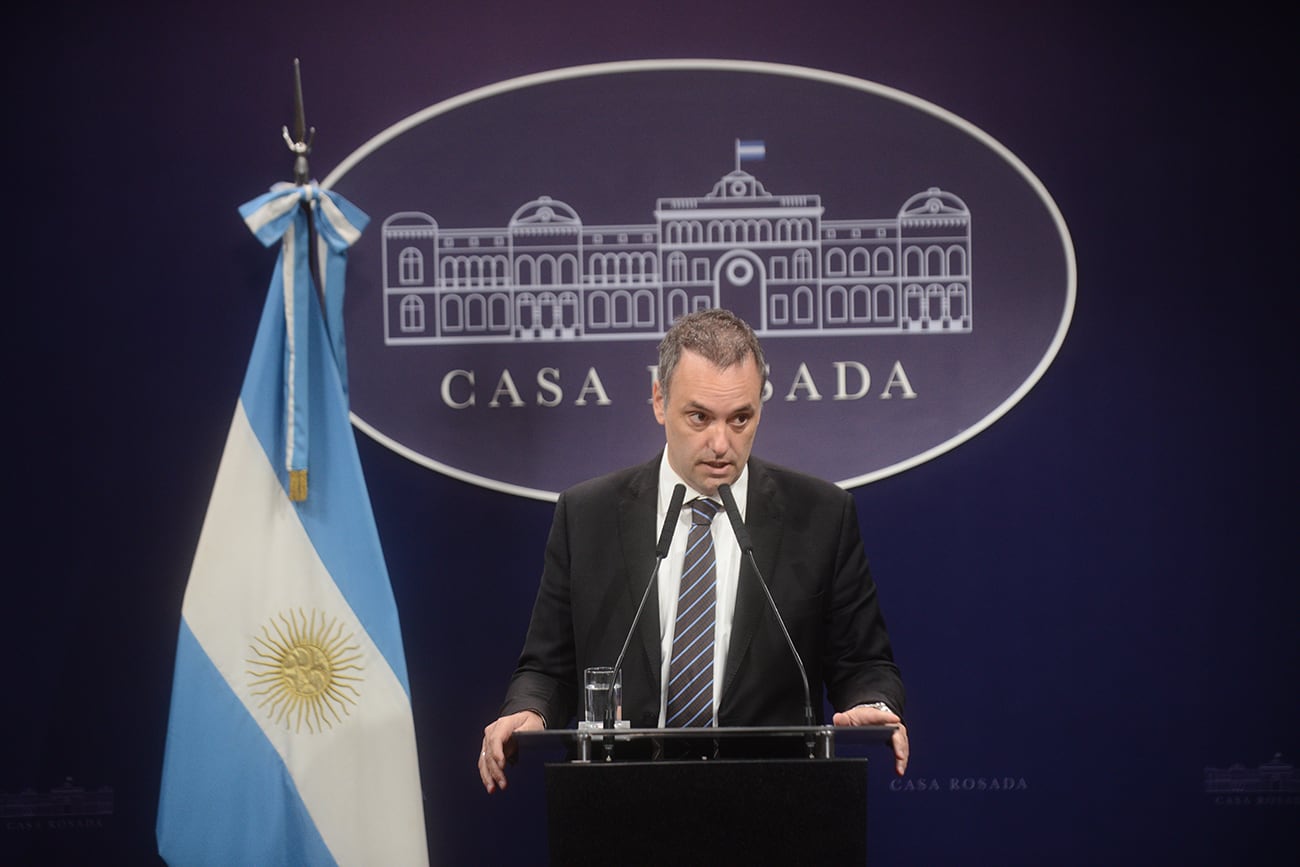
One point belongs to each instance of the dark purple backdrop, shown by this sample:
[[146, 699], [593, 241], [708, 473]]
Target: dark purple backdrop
[[1096, 596]]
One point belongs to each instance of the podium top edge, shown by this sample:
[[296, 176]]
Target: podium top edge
[[842, 734]]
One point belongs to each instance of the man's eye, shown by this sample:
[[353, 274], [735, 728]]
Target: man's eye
[[740, 421]]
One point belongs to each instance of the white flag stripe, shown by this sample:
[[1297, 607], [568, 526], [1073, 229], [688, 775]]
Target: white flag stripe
[[271, 211], [254, 562], [331, 212]]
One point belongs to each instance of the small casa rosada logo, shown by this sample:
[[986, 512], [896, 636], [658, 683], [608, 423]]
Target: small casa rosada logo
[[959, 785]]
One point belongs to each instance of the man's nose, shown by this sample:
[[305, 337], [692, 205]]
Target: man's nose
[[718, 441]]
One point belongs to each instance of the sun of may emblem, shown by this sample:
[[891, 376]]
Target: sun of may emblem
[[305, 670]]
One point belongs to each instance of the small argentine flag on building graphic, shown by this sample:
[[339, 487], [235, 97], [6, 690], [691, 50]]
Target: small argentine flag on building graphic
[[749, 150], [291, 739]]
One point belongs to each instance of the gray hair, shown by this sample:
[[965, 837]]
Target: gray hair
[[720, 336]]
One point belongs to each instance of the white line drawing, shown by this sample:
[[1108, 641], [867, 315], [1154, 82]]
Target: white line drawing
[[771, 259], [1269, 778]]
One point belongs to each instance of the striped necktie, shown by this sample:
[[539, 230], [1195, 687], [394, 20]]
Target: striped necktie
[[690, 673]]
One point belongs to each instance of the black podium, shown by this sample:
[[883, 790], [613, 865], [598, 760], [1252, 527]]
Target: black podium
[[772, 795]]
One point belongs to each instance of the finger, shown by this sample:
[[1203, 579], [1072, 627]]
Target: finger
[[902, 751], [484, 772], [495, 760]]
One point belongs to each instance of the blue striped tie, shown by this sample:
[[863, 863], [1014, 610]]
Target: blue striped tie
[[690, 673]]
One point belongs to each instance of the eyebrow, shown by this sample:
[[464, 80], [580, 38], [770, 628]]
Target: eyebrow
[[691, 406]]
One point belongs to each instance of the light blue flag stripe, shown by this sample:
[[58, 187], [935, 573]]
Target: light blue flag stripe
[[336, 514], [214, 749]]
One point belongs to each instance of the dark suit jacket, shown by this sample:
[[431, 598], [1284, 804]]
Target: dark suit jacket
[[600, 555]]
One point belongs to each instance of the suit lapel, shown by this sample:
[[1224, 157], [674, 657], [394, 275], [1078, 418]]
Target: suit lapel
[[763, 511], [636, 524]]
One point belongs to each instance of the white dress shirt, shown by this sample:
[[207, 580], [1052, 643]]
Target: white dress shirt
[[727, 553]]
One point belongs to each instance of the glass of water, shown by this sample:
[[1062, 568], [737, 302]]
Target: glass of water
[[599, 689]]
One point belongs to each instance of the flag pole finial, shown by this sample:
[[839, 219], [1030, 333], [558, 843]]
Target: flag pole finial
[[300, 142]]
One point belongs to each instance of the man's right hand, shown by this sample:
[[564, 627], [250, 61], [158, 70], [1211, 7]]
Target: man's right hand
[[499, 746]]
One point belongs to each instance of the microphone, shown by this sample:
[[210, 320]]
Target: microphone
[[661, 552], [747, 547]]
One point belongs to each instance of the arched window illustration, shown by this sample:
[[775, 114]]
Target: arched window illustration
[[547, 273], [936, 301], [649, 266], [859, 304], [525, 271], [643, 308], [676, 267], [453, 313], [568, 309], [913, 263], [803, 265], [803, 305], [597, 310], [449, 269], [473, 272], [499, 312], [678, 304], [568, 269], [412, 313], [623, 269], [475, 313], [883, 296], [883, 261], [957, 261], [548, 306], [860, 262], [957, 308], [622, 303], [914, 302], [836, 264], [527, 312], [410, 266], [837, 305], [936, 263]]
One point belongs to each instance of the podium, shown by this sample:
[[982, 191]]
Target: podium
[[752, 795]]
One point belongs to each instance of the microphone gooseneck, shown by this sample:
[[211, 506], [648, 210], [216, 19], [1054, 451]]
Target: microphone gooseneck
[[747, 548], [661, 552]]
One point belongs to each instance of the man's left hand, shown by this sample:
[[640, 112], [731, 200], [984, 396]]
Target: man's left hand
[[874, 716]]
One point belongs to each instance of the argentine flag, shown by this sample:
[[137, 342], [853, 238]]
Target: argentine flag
[[749, 150], [291, 739]]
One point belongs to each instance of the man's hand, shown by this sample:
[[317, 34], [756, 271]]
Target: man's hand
[[872, 716], [499, 746]]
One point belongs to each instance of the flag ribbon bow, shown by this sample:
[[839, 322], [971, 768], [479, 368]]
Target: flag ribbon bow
[[281, 215]]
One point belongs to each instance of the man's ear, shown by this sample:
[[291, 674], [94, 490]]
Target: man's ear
[[657, 400]]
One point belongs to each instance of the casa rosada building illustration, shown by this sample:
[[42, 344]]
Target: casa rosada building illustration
[[774, 260]]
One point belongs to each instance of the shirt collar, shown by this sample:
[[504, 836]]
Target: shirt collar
[[668, 479]]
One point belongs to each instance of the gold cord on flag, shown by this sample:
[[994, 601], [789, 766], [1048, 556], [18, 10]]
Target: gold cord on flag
[[297, 485]]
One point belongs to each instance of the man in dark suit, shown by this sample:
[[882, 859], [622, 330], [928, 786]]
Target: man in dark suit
[[708, 397]]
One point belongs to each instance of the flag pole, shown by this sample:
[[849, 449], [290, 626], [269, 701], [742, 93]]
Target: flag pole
[[300, 146], [301, 142]]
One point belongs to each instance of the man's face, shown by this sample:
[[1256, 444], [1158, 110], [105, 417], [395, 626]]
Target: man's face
[[710, 419]]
